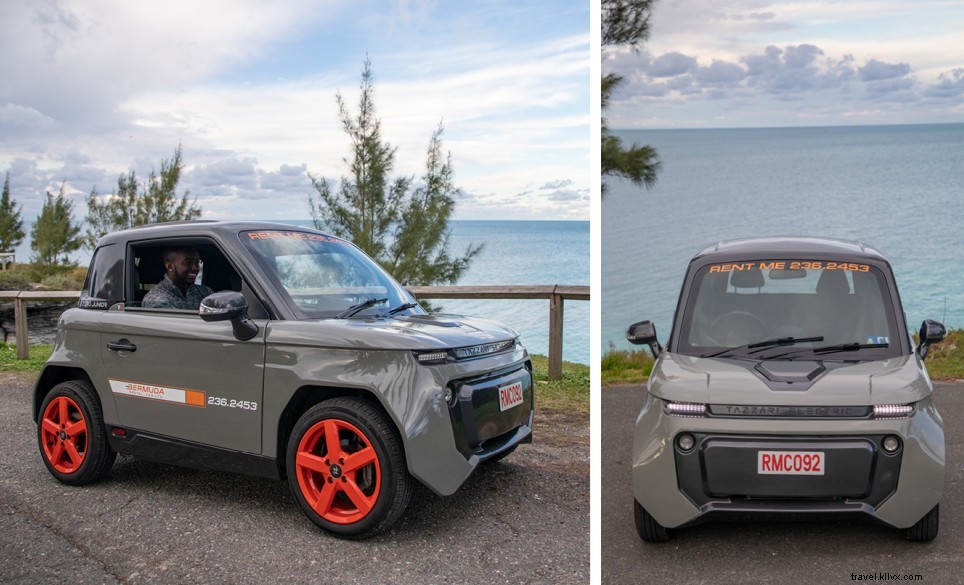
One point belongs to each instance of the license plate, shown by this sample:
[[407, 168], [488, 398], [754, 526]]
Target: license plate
[[510, 396], [790, 462]]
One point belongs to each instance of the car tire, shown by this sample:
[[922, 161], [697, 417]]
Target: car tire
[[648, 529], [926, 528], [71, 435], [363, 488]]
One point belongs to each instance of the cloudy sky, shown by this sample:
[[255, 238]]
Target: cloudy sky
[[746, 63], [92, 88]]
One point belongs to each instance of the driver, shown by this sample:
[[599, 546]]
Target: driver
[[177, 290]]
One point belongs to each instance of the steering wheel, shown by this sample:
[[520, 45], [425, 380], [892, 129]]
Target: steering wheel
[[736, 328]]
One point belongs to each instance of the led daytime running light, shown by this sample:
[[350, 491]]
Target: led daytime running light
[[432, 357], [892, 410], [693, 409]]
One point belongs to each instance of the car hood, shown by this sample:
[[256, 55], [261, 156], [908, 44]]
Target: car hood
[[789, 383], [409, 332]]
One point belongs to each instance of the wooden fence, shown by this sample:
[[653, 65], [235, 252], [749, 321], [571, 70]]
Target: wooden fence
[[20, 299], [555, 294]]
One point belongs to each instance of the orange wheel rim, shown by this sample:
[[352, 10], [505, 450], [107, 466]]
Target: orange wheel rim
[[338, 471], [63, 432]]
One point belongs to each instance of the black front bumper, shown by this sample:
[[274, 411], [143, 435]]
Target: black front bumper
[[481, 428], [721, 472]]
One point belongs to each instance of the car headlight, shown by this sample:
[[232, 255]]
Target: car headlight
[[690, 409]]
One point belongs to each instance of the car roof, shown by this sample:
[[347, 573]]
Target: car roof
[[193, 228], [777, 246]]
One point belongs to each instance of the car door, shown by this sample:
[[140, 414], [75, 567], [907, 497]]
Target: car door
[[174, 375]]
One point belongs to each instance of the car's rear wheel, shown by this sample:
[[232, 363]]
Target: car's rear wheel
[[926, 528], [346, 467], [70, 431], [648, 529]]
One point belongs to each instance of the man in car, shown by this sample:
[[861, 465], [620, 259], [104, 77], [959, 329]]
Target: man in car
[[177, 290]]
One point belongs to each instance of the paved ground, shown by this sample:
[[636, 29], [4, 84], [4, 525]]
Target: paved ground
[[772, 552], [524, 520]]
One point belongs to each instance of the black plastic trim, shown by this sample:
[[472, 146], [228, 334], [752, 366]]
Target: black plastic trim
[[879, 483], [189, 454], [470, 419]]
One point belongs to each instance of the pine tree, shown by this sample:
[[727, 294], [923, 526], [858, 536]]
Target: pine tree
[[404, 229], [54, 235], [11, 225], [133, 204]]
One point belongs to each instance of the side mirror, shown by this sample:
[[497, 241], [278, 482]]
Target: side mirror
[[930, 332], [229, 305], [644, 332]]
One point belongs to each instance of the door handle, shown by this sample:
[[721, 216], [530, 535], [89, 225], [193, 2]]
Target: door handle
[[117, 346]]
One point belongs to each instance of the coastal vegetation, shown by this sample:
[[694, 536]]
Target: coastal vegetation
[[55, 235], [137, 203], [11, 224], [33, 276], [625, 23], [945, 362], [400, 223]]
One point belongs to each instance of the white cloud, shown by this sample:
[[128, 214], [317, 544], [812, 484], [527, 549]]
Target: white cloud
[[95, 88], [880, 61]]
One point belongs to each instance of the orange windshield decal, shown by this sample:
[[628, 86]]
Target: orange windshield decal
[[279, 235], [789, 265]]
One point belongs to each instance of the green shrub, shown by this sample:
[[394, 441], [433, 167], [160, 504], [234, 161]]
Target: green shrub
[[65, 281], [625, 366], [945, 360], [14, 280]]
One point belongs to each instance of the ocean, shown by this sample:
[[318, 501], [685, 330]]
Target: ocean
[[897, 188], [514, 253], [527, 252]]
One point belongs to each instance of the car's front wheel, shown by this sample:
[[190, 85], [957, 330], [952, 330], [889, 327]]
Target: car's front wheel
[[647, 527], [926, 528], [346, 467]]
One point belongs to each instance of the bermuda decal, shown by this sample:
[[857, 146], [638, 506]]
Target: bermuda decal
[[161, 393]]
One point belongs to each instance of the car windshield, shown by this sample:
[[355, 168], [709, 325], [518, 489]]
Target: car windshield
[[789, 309], [324, 276]]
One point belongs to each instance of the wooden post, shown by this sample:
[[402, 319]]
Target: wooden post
[[555, 336], [20, 323]]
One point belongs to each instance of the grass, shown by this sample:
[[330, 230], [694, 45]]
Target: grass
[[945, 361], [10, 363], [625, 366], [571, 393]]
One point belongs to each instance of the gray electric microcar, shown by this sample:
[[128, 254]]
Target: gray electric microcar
[[309, 363], [789, 385]]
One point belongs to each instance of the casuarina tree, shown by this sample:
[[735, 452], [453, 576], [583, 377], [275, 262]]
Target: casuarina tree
[[625, 22], [11, 225], [400, 222], [55, 235], [134, 203]]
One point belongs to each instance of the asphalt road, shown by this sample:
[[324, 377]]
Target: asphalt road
[[523, 520], [772, 552]]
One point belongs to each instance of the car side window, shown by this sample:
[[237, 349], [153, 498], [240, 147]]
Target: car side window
[[176, 275]]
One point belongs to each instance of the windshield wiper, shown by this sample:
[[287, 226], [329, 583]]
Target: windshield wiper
[[398, 309], [761, 345], [359, 307], [854, 346]]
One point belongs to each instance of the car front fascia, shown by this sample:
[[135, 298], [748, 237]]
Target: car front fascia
[[656, 483]]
